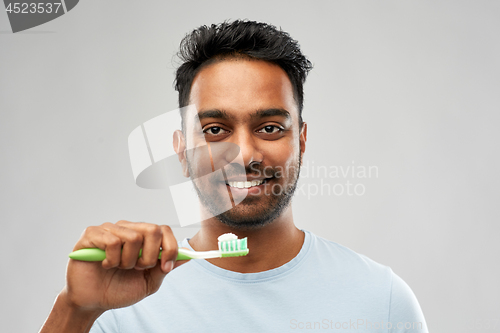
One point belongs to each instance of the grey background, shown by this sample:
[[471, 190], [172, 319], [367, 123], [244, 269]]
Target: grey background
[[411, 87]]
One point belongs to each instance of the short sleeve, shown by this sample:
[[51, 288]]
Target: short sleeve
[[405, 314]]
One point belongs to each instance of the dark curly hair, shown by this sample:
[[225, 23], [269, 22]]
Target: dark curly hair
[[255, 40]]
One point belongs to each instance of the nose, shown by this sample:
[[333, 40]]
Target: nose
[[240, 151], [249, 147]]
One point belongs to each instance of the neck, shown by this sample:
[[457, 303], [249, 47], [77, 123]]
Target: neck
[[270, 246]]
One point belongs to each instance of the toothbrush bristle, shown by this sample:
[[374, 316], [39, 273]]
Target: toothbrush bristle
[[234, 247]]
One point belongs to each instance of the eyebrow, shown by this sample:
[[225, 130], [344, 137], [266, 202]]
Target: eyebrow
[[221, 114], [271, 113]]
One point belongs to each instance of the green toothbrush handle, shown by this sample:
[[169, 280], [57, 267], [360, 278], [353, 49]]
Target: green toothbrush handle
[[100, 255], [182, 256]]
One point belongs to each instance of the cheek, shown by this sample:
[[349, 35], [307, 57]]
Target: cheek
[[199, 161], [285, 158], [292, 167]]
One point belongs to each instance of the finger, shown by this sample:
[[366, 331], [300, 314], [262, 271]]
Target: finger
[[152, 237], [169, 249], [131, 244], [151, 245], [98, 237]]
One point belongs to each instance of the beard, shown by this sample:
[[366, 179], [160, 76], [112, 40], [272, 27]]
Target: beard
[[253, 212]]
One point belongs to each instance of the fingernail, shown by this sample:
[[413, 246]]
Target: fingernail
[[168, 266]]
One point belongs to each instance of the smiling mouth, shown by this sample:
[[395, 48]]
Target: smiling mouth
[[247, 184]]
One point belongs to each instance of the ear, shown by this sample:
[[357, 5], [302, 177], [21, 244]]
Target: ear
[[303, 138], [180, 149]]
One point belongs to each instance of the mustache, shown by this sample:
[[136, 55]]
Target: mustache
[[251, 170]]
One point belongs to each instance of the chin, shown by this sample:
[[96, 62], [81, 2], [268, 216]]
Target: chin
[[244, 224], [248, 218]]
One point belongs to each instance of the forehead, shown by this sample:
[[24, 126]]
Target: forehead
[[241, 86]]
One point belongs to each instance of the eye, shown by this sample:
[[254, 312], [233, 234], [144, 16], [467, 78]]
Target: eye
[[214, 130], [270, 129]]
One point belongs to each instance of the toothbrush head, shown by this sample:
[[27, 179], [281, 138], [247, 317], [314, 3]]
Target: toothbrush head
[[231, 246]]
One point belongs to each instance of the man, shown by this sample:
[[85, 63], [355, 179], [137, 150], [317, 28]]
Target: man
[[245, 81]]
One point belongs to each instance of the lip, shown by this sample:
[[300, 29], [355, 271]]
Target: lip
[[250, 190], [246, 179]]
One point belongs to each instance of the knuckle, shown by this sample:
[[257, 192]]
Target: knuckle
[[135, 238], [113, 241], [153, 230], [87, 231], [107, 225], [122, 222], [166, 229]]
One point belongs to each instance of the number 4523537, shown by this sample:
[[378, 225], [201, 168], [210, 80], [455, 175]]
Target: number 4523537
[[32, 8]]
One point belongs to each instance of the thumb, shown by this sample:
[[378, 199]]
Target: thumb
[[154, 278]]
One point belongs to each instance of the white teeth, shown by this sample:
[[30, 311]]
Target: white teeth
[[245, 184]]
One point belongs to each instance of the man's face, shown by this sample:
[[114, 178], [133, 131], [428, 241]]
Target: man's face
[[248, 103]]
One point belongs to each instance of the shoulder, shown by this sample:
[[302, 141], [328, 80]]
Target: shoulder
[[369, 280], [405, 311], [344, 259]]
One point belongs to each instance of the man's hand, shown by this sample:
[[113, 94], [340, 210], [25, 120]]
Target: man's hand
[[123, 278]]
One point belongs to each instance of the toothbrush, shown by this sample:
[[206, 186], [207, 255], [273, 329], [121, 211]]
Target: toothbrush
[[229, 246]]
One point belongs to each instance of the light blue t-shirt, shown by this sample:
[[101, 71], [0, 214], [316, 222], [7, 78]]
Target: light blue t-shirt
[[326, 287]]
